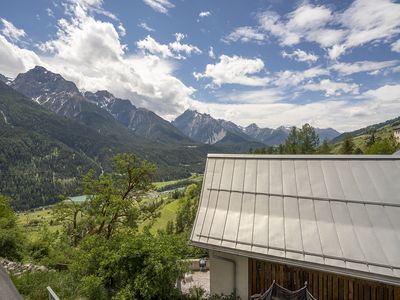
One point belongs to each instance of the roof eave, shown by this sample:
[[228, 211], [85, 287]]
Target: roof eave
[[296, 263], [303, 156]]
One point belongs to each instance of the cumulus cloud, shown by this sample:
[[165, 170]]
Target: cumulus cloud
[[175, 49], [14, 60], [234, 70], [146, 27], [12, 32], [245, 34], [363, 66], [204, 14], [161, 6], [90, 53], [301, 55], [332, 88], [150, 45]]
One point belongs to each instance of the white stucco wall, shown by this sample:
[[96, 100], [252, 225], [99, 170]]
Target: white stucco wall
[[222, 274], [397, 135]]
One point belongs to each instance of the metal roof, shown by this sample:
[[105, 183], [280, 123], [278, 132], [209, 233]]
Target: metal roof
[[334, 213]]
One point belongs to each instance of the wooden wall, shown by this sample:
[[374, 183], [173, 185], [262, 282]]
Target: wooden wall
[[323, 286]]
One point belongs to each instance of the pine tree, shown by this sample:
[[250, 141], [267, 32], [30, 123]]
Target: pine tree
[[347, 145], [324, 148]]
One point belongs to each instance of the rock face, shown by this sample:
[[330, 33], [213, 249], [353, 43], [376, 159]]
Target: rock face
[[268, 136], [205, 129], [141, 121], [52, 91], [5, 79]]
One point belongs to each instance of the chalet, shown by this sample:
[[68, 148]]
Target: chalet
[[331, 221], [396, 132]]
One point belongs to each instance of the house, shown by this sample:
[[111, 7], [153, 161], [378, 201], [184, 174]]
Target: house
[[396, 132], [331, 221]]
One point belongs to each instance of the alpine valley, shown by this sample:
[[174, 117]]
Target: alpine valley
[[51, 134]]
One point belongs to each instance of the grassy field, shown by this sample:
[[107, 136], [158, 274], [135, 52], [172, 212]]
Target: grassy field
[[33, 221], [168, 213], [361, 140], [163, 185]]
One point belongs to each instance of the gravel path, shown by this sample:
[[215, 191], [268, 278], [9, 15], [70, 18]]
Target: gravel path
[[199, 279]]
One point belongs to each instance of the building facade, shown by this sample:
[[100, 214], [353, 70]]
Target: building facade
[[396, 133], [330, 221]]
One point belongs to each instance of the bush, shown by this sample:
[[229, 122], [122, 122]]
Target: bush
[[34, 285], [92, 288], [11, 240]]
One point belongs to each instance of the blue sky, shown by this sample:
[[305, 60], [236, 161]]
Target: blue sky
[[329, 63]]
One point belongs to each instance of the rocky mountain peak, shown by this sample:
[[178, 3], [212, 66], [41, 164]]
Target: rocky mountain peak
[[40, 81]]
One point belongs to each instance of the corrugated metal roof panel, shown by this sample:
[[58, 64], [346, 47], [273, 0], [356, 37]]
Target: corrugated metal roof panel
[[339, 212]]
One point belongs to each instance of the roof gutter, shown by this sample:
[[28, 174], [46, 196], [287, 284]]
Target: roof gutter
[[309, 265]]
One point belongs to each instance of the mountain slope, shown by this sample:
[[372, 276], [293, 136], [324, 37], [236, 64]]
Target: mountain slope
[[141, 121], [100, 110], [205, 129], [44, 154], [368, 129]]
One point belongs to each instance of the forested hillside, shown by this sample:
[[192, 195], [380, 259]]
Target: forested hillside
[[43, 154]]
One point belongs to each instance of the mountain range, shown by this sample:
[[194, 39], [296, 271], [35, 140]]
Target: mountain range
[[205, 129], [101, 110], [52, 133]]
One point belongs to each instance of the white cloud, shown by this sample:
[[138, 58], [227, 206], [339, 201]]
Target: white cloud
[[14, 60], [257, 96], [306, 23], [172, 50], [294, 78], [235, 70], [50, 12], [161, 6], [211, 53], [335, 51], [396, 46], [146, 27], [301, 55], [90, 53], [152, 46], [122, 30], [204, 14], [386, 93], [332, 88], [363, 66], [95, 6], [373, 106], [245, 34], [370, 20], [12, 32], [361, 23]]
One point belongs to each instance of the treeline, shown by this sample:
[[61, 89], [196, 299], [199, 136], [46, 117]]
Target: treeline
[[372, 145], [302, 140], [98, 242], [306, 141]]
